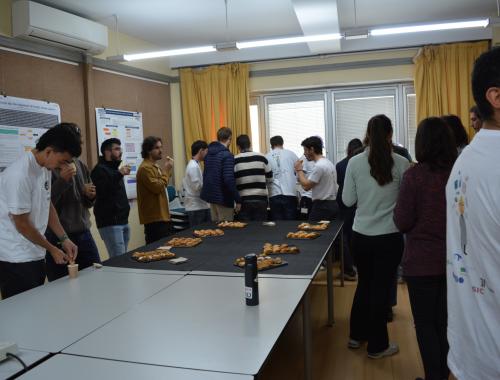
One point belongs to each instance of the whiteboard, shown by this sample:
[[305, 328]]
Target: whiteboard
[[22, 122], [126, 126]]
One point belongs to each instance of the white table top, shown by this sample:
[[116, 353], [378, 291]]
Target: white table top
[[11, 366], [63, 367], [143, 271], [200, 322], [53, 316]]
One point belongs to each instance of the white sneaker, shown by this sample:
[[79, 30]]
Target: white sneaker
[[353, 344], [391, 350]]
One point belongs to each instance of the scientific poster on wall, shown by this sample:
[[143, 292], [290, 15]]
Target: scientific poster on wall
[[22, 122], [126, 126]]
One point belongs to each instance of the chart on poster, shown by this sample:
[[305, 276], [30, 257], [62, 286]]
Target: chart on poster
[[22, 122], [127, 127]]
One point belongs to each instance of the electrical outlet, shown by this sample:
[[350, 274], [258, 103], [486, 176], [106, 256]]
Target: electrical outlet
[[7, 347]]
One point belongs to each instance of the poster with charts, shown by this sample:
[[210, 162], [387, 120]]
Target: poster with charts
[[22, 122], [126, 126]]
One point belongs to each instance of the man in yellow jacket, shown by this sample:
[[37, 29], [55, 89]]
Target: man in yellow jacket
[[152, 200]]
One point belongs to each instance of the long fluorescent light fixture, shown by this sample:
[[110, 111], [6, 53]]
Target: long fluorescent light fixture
[[288, 40], [169, 53], [430, 27]]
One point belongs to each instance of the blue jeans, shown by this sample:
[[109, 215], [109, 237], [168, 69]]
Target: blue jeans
[[198, 217], [283, 207], [115, 238]]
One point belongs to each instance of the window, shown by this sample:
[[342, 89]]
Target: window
[[353, 109], [411, 118], [337, 115], [295, 118]]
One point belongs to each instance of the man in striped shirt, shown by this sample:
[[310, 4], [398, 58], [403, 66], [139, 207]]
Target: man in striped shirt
[[253, 175]]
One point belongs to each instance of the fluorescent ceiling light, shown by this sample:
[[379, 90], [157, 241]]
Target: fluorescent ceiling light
[[288, 40], [430, 27], [169, 53]]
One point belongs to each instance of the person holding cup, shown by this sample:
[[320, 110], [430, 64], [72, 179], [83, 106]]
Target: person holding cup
[[73, 194]]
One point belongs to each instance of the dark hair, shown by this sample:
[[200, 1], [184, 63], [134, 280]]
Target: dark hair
[[148, 145], [276, 141], [458, 130], [353, 147], [197, 146], [243, 142], [224, 134], [108, 144], [476, 112], [315, 143], [63, 137], [434, 144], [485, 75], [378, 133]]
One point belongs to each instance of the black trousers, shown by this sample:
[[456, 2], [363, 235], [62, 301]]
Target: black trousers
[[253, 210], [305, 204], [87, 254], [16, 278], [377, 259], [428, 306], [348, 215], [323, 210], [157, 230]]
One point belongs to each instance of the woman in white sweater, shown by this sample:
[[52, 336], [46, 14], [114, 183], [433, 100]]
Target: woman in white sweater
[[372, 180]]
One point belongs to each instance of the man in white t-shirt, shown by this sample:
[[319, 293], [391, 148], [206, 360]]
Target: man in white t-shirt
[[473, 237], [283, 190], [26, 211], [197, 209], [322, 181]]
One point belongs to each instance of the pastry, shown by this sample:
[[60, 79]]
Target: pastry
[[156, 255], [207, 233], [184, 242], [270, 249], [302, 235], [263, 262], [231, 224], [313, 227]]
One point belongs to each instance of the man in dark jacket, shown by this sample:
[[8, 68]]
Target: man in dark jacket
[[219, 185], [111, 206]]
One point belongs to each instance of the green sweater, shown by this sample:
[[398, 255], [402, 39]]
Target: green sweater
[[375, 203]]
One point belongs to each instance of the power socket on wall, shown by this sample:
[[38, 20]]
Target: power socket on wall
[[7, 347]]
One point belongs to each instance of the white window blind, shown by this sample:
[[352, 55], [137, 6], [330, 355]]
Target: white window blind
[[352, 115], [295, 121], [411, 121]]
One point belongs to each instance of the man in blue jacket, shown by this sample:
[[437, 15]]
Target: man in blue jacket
[[219, 185]]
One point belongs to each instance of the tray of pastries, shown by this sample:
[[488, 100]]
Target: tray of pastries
[[302, 235], [231, 224], [263, 262], [313, 227], [184, 242], [275, 249], [208, 233], [155, 255]]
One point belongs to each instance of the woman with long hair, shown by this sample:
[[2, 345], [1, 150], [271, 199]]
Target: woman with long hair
[[372, 181], [420, 213], [458, 131]]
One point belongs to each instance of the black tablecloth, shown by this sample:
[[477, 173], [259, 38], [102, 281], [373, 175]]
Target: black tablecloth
[[217, 254]]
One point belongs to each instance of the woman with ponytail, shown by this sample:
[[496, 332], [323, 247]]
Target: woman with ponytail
[[372, 180]]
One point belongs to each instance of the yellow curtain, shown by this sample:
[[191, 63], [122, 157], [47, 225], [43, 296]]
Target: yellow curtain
[[212, 98], [443, 80]]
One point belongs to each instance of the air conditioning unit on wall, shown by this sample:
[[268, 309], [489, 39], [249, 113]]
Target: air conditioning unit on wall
[[48, 25]]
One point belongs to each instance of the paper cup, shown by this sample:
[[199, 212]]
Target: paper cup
[[73, 270]]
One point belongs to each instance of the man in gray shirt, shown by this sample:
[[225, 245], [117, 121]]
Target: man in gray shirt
[[73, 194]]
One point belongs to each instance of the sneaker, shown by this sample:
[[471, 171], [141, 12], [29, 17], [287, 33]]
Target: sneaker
[[354, 344], [350, 276], [391, 350]]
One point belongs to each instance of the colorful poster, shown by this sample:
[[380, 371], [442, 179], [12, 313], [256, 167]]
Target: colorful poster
[[126, 126], [22, 122]]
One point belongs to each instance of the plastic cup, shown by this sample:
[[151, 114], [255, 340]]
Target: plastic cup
[[73, 270]]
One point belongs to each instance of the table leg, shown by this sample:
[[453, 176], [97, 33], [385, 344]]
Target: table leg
[[342, 257], [307, 336], [329, 285]]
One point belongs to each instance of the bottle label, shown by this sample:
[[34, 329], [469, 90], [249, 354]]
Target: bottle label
[[248, 292]]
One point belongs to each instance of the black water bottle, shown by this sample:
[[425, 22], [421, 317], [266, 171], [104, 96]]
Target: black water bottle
[[251, 280]]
